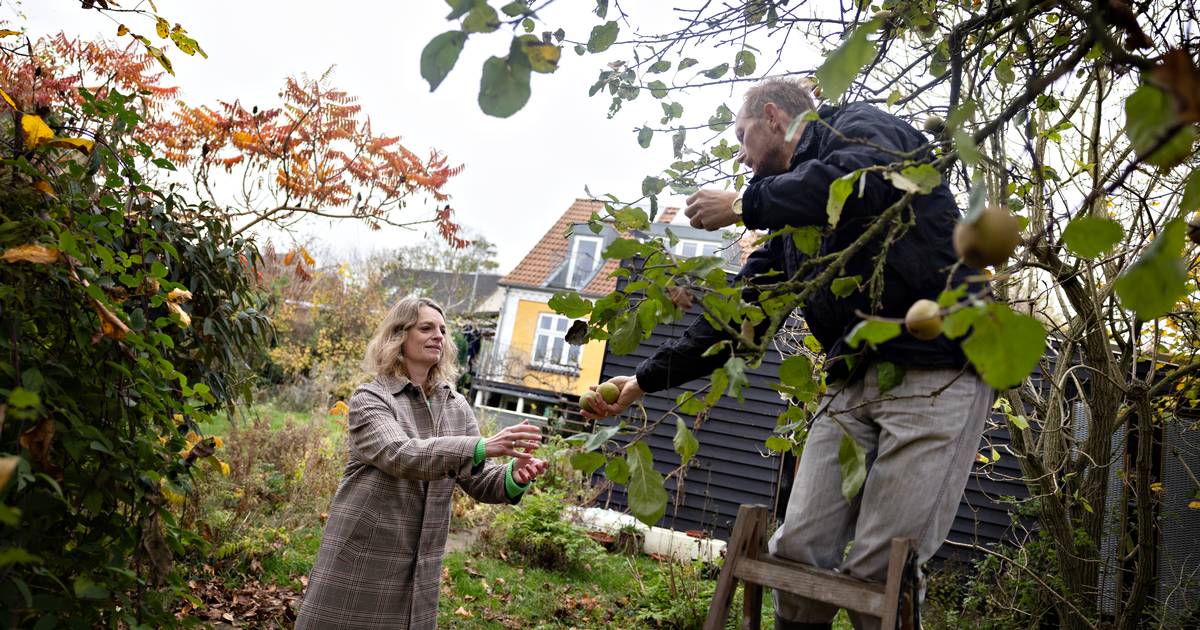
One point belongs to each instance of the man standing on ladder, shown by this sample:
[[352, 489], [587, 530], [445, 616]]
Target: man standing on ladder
[[920, 436]]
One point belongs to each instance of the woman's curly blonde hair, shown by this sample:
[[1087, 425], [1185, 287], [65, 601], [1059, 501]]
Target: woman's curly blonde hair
[[385, 350]]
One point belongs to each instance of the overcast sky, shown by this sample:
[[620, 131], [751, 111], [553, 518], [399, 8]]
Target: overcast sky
[[521, 172]]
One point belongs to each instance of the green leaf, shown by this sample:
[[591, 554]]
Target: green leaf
[[1156, 281], [1149, 116], [744, 63], [647, 315], [807, 240], [658, 89], [652, 186], [600, 437], [852, 459], [894, 98], [846, 285], [844, 64], [721, 120], [21, 397], [617, 470], [735, 369], [481, 19], [968, 151], [686, 63], [603, 36], [1088, 237], [440, 55], [645, 135], [778, 444], [839, 191], [515, 8], [459, 8], [890, 375], [716, 72], [957, 323], [921, 179], [588, 462], [623, 248], [504, 88], [647, 496], [1018, 421], [686, 444], [1004, 71], [662, 65], [15, 555], [1005, 346], [602, 9], [625, 335], [1191, 193], [873, 332], [570, 304], [796, 378], [87, 589]]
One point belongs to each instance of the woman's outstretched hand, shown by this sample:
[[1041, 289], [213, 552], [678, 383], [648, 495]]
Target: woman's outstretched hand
[[519, 441], [527, 470]]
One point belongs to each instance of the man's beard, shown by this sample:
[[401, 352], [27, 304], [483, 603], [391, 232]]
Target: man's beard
[[776, 161]]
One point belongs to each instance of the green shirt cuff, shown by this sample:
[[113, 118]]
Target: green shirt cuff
[[480, 452], [511, 487]]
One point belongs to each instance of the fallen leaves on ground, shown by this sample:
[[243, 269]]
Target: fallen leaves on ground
[[252, 605]]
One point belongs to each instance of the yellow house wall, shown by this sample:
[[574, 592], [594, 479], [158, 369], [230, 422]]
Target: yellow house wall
[[524, 330]]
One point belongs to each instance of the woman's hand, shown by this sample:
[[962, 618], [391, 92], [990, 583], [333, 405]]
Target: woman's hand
[[630, 392], [519, 440], [527, 470]]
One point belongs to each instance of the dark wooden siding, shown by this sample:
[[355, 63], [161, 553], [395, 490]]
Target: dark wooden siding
[[733, 467]]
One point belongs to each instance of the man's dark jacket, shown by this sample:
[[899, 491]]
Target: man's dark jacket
[[917, 263]]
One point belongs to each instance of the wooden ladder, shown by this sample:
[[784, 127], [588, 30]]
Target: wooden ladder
[[746, 560]]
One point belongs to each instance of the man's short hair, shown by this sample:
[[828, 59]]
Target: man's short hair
[[790, 95]]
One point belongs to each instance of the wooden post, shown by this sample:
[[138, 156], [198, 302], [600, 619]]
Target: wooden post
[[752, 592], [895, 576], [740, 540]]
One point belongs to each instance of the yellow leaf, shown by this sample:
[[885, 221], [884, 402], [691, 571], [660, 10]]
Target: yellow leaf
[[163, 28], [8, 99], [45, 187], [542, 57], [111, 326], [463, 612], [1195, 505], [218, 442], [339, 409], [1156, 486], [288, 258], [37, 254], [981, 458], [308, 260], [179, 295], [8, 465], [122, 30], [995, 455], [84, 145], [178, 418], [7, 32], [36, 130], [224, 469], [185, 320]]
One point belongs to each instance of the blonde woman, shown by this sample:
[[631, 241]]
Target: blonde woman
[[411, 439]]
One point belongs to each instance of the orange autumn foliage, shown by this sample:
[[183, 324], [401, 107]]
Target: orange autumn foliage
[[316, 152]]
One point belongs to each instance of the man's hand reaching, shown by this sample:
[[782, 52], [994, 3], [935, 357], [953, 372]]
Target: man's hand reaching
[[630, 392], [711, 209]]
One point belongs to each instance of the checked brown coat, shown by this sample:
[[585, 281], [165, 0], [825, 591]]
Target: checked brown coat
[[381, 554]]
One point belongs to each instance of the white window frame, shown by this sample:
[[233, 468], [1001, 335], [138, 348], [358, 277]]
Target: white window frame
[[574, 258], [547, 326], [701, 246]]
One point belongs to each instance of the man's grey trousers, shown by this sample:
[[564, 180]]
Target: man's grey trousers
[[920, 438]]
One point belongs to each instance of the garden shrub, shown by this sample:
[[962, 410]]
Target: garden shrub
[[537, 530]]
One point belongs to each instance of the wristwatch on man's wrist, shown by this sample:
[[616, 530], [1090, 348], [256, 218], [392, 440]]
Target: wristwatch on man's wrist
[[737, 202]]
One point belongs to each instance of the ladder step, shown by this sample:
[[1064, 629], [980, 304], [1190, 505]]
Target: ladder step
[[819, 584]]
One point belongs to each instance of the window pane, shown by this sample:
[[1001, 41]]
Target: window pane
[[573, 356], [560, 324], [539, 348], [557, 354]]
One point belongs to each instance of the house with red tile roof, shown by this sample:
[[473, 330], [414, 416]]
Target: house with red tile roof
[[530, 369]]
